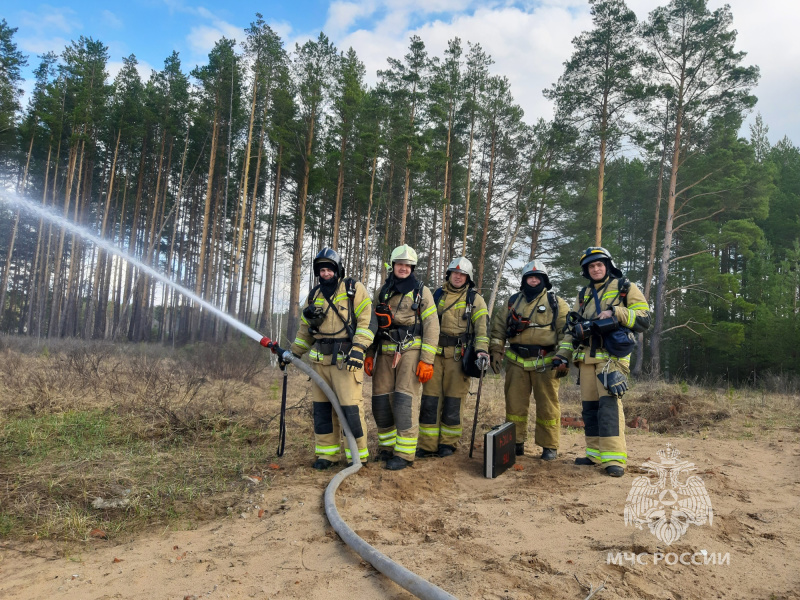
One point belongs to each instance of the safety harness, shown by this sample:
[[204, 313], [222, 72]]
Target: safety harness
[[467, 337], [402, 335], [332, 345], [623, 288]]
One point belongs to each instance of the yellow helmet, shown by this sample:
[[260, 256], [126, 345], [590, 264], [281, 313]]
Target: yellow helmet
[[404, 254]]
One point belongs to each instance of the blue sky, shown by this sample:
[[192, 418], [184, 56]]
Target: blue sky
[[529, 40]]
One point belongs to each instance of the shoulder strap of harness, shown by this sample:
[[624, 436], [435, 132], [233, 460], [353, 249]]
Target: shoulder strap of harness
[[551, 297], [437, 295], [624, 287], [417, 303], [350, 288], [582, 295], [349, 323], [311, 295]]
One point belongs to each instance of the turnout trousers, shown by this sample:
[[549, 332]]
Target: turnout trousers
[[328, 439], [395, 403], [518, 387], [442, 405], [604, 418]]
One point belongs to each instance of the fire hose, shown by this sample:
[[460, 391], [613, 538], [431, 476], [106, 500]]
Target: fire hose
[[406, 579]]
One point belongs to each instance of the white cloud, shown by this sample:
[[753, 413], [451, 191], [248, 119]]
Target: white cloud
[[48, 19], [530, 41], [44, 30], [111, 20], [527, 47], [144, 69], [343, 15], [201, 38]]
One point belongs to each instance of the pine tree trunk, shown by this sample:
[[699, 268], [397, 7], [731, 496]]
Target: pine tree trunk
[[469, 183], [266, 317], [337, 212], [651, 257], [251, 229], [663, 271], [298, 241], [489, 190], [55, 309], [365, 271], [198, 286]]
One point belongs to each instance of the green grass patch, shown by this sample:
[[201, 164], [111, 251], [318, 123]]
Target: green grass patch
[[56, 466]]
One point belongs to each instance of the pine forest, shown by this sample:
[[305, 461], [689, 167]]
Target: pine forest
[[230, 177]]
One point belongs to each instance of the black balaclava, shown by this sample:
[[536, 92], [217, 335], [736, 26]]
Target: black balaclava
[[328, 286], [403, 286], [532, 291]]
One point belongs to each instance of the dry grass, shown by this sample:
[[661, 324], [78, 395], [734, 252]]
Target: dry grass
[[164, 436], [167, 435]]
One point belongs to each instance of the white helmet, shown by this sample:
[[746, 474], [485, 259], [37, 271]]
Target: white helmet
[[461, 265], [536, 268]]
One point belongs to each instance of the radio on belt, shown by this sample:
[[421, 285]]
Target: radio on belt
[[499, 445]]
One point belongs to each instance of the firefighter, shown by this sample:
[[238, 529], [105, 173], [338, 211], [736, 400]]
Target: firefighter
[[599, 339], [336, 328], [463, 322], [532, 323], [401, 359]]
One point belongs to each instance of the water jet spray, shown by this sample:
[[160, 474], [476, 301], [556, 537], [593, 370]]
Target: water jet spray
[[400, 575]]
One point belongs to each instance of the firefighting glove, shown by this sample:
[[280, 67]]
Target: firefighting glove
[[283, 364], [355, 359], [615, 382], [483, 361], [369, 364], [561, 366], [497, 360], [424, 372]]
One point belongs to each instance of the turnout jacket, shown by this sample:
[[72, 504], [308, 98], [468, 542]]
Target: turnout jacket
[[631, 311], [333, 327], [452, 322], [542, 331], [405, 317]]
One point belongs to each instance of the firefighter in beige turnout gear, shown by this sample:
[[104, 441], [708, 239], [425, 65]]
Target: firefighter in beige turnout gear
[[401, 359], [463, 321], [336, 328], [532, 324], [600, 329]]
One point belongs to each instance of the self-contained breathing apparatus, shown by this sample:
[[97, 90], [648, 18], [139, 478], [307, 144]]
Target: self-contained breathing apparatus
[[516, 323], [402, 335], [618, 340], [315, 317], [465, 350]]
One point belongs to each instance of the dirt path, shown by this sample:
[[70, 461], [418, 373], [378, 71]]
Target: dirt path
[[525, 535]]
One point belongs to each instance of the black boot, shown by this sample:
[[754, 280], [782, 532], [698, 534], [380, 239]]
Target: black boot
[[615, 471], [420, 453], [396, 463], [383, 456], [549, 453], [446, 450], [321, 464], [520, 449], [584, 460]]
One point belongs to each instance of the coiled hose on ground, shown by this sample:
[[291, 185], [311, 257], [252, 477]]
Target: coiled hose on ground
[[412, 582]]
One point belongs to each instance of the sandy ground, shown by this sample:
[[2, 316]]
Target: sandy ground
[[531, 533]]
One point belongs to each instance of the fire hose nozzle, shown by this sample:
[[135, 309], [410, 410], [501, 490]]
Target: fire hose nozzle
[[266, 342]]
